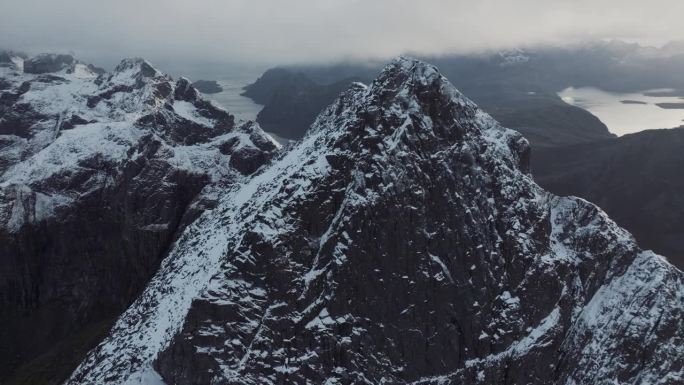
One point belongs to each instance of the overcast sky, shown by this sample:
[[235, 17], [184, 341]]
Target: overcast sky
[[270, 32]]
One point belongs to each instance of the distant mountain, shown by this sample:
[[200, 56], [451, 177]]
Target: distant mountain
[[636, 178], [99, 173], [401, 241], [207, 86], [518, 87], [293, 99]]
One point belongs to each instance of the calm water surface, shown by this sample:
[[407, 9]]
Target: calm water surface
[[626, 118], [242, 107]]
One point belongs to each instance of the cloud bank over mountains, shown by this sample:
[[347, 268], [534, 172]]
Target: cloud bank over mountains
[[288, 31]]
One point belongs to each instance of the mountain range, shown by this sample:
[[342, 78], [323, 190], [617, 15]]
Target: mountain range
[[519, 89], [402, 240], [99, 175]]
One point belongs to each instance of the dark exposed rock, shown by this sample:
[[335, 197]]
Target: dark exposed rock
[[85, 265], [262, 142], [95, 69], [106, 95], [46, 63], [229, 145], [185, 90], [207, 110], [247, 159], [163, 90], [147, 70], [48, 78], [93, 101], [401, 241], [18, 120], [91, 200], [72, 122]]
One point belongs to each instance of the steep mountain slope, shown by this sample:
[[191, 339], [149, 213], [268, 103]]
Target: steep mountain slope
[[403, 240], [636, 178], [574, 152], [98, 173]]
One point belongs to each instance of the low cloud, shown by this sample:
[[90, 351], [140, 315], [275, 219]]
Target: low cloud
[[267, 32]]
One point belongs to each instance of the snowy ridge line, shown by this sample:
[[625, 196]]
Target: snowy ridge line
[[526, 271], [146, 328], [85, 118], [131, 143]]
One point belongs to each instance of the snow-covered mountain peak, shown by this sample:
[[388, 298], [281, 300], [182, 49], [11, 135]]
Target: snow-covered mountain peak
[[402, 240], [62, 114], [410, 101], [99, 173], [136, 69]]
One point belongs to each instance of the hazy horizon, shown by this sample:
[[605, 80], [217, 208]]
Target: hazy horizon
[[258, 34]]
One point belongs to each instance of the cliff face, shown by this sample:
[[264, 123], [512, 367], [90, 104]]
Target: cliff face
[[403, 240], [98, 173]]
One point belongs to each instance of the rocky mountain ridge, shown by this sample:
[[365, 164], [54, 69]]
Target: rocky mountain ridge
[[402, 240], [99, 172]]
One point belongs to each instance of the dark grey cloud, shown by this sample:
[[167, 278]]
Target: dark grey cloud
[[286, 31]]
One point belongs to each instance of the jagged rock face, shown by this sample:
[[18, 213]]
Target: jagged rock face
[[98, 173], [46, 63], [401, 241]]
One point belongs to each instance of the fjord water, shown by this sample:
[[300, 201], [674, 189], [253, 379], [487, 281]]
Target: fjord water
[[231, 99], [626, 113], [242, 107]]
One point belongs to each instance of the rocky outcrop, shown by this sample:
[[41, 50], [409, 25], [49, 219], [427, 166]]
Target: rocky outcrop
[[99, 172], [46, 63], [402, 241]]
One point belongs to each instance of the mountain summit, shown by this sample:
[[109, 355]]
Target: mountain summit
[[401, 241]]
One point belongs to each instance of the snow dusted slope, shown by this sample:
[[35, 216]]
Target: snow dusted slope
[[401, 241], [98, 172]]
